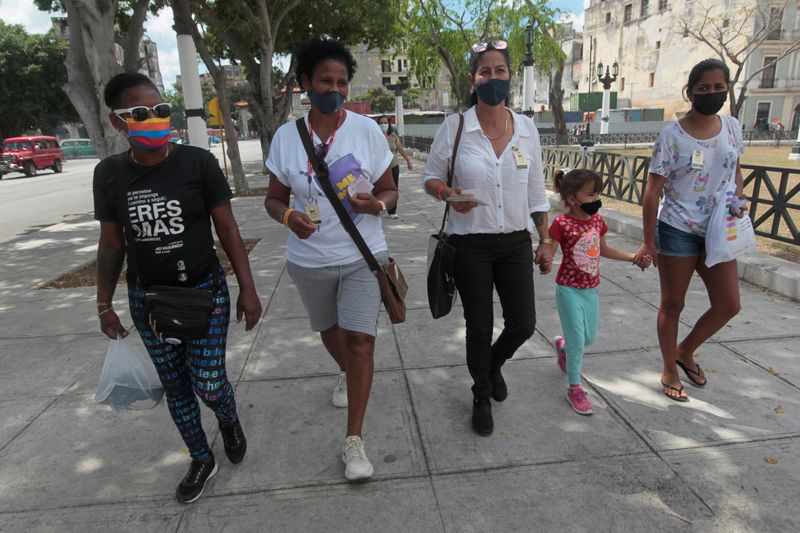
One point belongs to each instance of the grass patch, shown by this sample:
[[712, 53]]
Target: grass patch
[[86, 275]]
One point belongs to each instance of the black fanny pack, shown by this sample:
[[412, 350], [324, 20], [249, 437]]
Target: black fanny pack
[[178, 314]]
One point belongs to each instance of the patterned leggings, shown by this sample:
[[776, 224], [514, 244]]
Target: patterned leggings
[[194, 368]]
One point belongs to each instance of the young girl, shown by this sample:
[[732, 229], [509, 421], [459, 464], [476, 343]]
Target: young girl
[[580, 232]]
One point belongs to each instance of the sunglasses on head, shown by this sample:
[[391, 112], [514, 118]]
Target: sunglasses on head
[[477, 48], [141, 113]]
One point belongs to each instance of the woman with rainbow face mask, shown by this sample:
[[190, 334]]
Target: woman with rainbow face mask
[[155, 203]]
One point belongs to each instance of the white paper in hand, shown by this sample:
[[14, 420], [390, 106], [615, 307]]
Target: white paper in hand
[[360, 185]]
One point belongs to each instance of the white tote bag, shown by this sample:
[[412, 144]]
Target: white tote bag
[[128, 379], [727, 237]]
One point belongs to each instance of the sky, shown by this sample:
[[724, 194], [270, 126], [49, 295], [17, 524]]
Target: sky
[[159, 29]]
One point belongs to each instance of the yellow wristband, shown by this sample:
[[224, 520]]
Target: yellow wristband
[[545, 241], [286, 215]]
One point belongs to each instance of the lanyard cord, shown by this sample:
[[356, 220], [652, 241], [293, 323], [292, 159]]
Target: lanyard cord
[[327, 145]]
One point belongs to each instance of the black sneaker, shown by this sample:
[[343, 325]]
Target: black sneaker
[[482, 421], [499, 388], [235, 443], [195, 481]]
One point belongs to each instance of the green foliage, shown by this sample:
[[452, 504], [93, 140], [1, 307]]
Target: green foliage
[[410, 97], [381, 100], [33, 70], [441, 32]]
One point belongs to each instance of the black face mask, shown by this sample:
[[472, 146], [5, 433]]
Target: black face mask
[[327, 103], [590, 208], [493, 92], [709, 103]]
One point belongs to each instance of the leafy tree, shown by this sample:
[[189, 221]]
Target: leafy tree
[[30, 87], [735, 34], [254, 31], [410, 97], [381, 100], [95, 27]]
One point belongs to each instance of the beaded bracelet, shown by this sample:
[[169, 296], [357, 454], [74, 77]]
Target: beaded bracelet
[[105, 311]]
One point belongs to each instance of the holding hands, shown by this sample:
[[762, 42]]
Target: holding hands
[[645, 256]]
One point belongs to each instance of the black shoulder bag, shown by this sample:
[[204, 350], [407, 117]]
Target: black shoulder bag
[[442, 252], [390, 280]]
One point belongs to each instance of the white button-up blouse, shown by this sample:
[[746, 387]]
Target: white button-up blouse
[[511, 191]]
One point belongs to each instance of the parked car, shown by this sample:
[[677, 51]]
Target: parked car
[[74, 148], [30, 154]]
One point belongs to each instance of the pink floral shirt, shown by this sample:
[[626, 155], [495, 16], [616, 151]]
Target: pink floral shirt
[[580, 247]]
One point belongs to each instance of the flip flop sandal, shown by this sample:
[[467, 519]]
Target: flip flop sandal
[[678, 389], [692, 373]]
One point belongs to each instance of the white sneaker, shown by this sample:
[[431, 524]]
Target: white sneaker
[[393, 216], [357, 466], [340, 391]]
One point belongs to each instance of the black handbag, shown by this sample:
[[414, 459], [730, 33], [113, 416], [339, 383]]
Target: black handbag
[[391, 281], [442, 253], [178, 314]]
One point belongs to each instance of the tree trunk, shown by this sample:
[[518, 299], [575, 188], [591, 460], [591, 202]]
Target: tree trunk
[[556, 97], [90, 63]]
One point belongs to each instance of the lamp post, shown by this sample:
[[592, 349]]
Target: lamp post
[[398, 89], [606, 80], [528, 83]]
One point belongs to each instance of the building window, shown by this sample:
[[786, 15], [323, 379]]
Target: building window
[[662, 6], [621, 84], [768, 74], [405, 64], [386, 81], [775, 23], [658, 45], [645, 7], [626, 14], [386, 65], [399, 65], [726, 23], [608, 18], [686, 32], [762, 116], [652, 79]]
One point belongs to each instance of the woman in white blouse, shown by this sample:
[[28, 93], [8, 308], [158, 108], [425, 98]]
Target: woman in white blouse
[[499, 161]]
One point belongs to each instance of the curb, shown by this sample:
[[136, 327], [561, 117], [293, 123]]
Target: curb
[[772, 273]]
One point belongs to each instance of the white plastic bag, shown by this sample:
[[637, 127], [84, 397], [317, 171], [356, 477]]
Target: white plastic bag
[[727, 237], [128, 379]]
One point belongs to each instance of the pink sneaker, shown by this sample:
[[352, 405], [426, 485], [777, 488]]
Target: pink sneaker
[[561, 351], [576, 397]]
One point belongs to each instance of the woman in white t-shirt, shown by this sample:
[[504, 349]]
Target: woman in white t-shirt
[[499, 161], [337, 288], [692, 160]]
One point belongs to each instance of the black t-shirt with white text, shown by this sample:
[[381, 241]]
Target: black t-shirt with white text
[[165, 213]]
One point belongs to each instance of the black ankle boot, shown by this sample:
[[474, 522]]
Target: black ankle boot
[[191, 487], [482, 421], [234, 441], [499, 388]]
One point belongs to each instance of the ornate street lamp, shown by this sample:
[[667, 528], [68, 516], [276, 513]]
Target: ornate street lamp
[[528, 87], [398, 89], [606, 79]]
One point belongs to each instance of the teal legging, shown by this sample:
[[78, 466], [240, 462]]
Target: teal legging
[[579, 311]]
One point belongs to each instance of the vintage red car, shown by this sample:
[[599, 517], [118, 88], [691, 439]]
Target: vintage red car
[[30, 155]]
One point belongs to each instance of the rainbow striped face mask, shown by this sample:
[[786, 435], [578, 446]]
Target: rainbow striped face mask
[[150, 135]]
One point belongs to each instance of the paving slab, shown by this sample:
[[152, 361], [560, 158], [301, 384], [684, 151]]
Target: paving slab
[[287, 348], [763, 314], [778, 354], [47, 367], [534, 425], [745, 491], [301, 442], [125, 517], [49, 312], [738, 404], [425, 342], [16, 415], [382, 506], [632, 494], [112, 457]]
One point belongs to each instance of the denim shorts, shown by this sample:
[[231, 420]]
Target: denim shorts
[[677, 243], [347, 295]]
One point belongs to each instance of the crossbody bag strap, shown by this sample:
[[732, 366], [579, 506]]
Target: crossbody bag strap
[[345, 219], [452, 169]]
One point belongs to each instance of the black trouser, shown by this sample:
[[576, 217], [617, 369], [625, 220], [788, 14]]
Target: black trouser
[[484, 262], [396, 178]]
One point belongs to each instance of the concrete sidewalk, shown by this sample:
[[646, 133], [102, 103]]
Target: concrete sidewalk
[[728, 460]]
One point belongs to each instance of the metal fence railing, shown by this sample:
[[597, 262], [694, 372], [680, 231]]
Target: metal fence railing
[[774, 192]]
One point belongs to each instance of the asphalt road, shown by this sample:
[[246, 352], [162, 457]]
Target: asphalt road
[[28, 204]]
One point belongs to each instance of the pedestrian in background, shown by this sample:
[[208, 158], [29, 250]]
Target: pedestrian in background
[[338, 290], [395, 145], [692, 159], [499, 163], [155, 203]]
